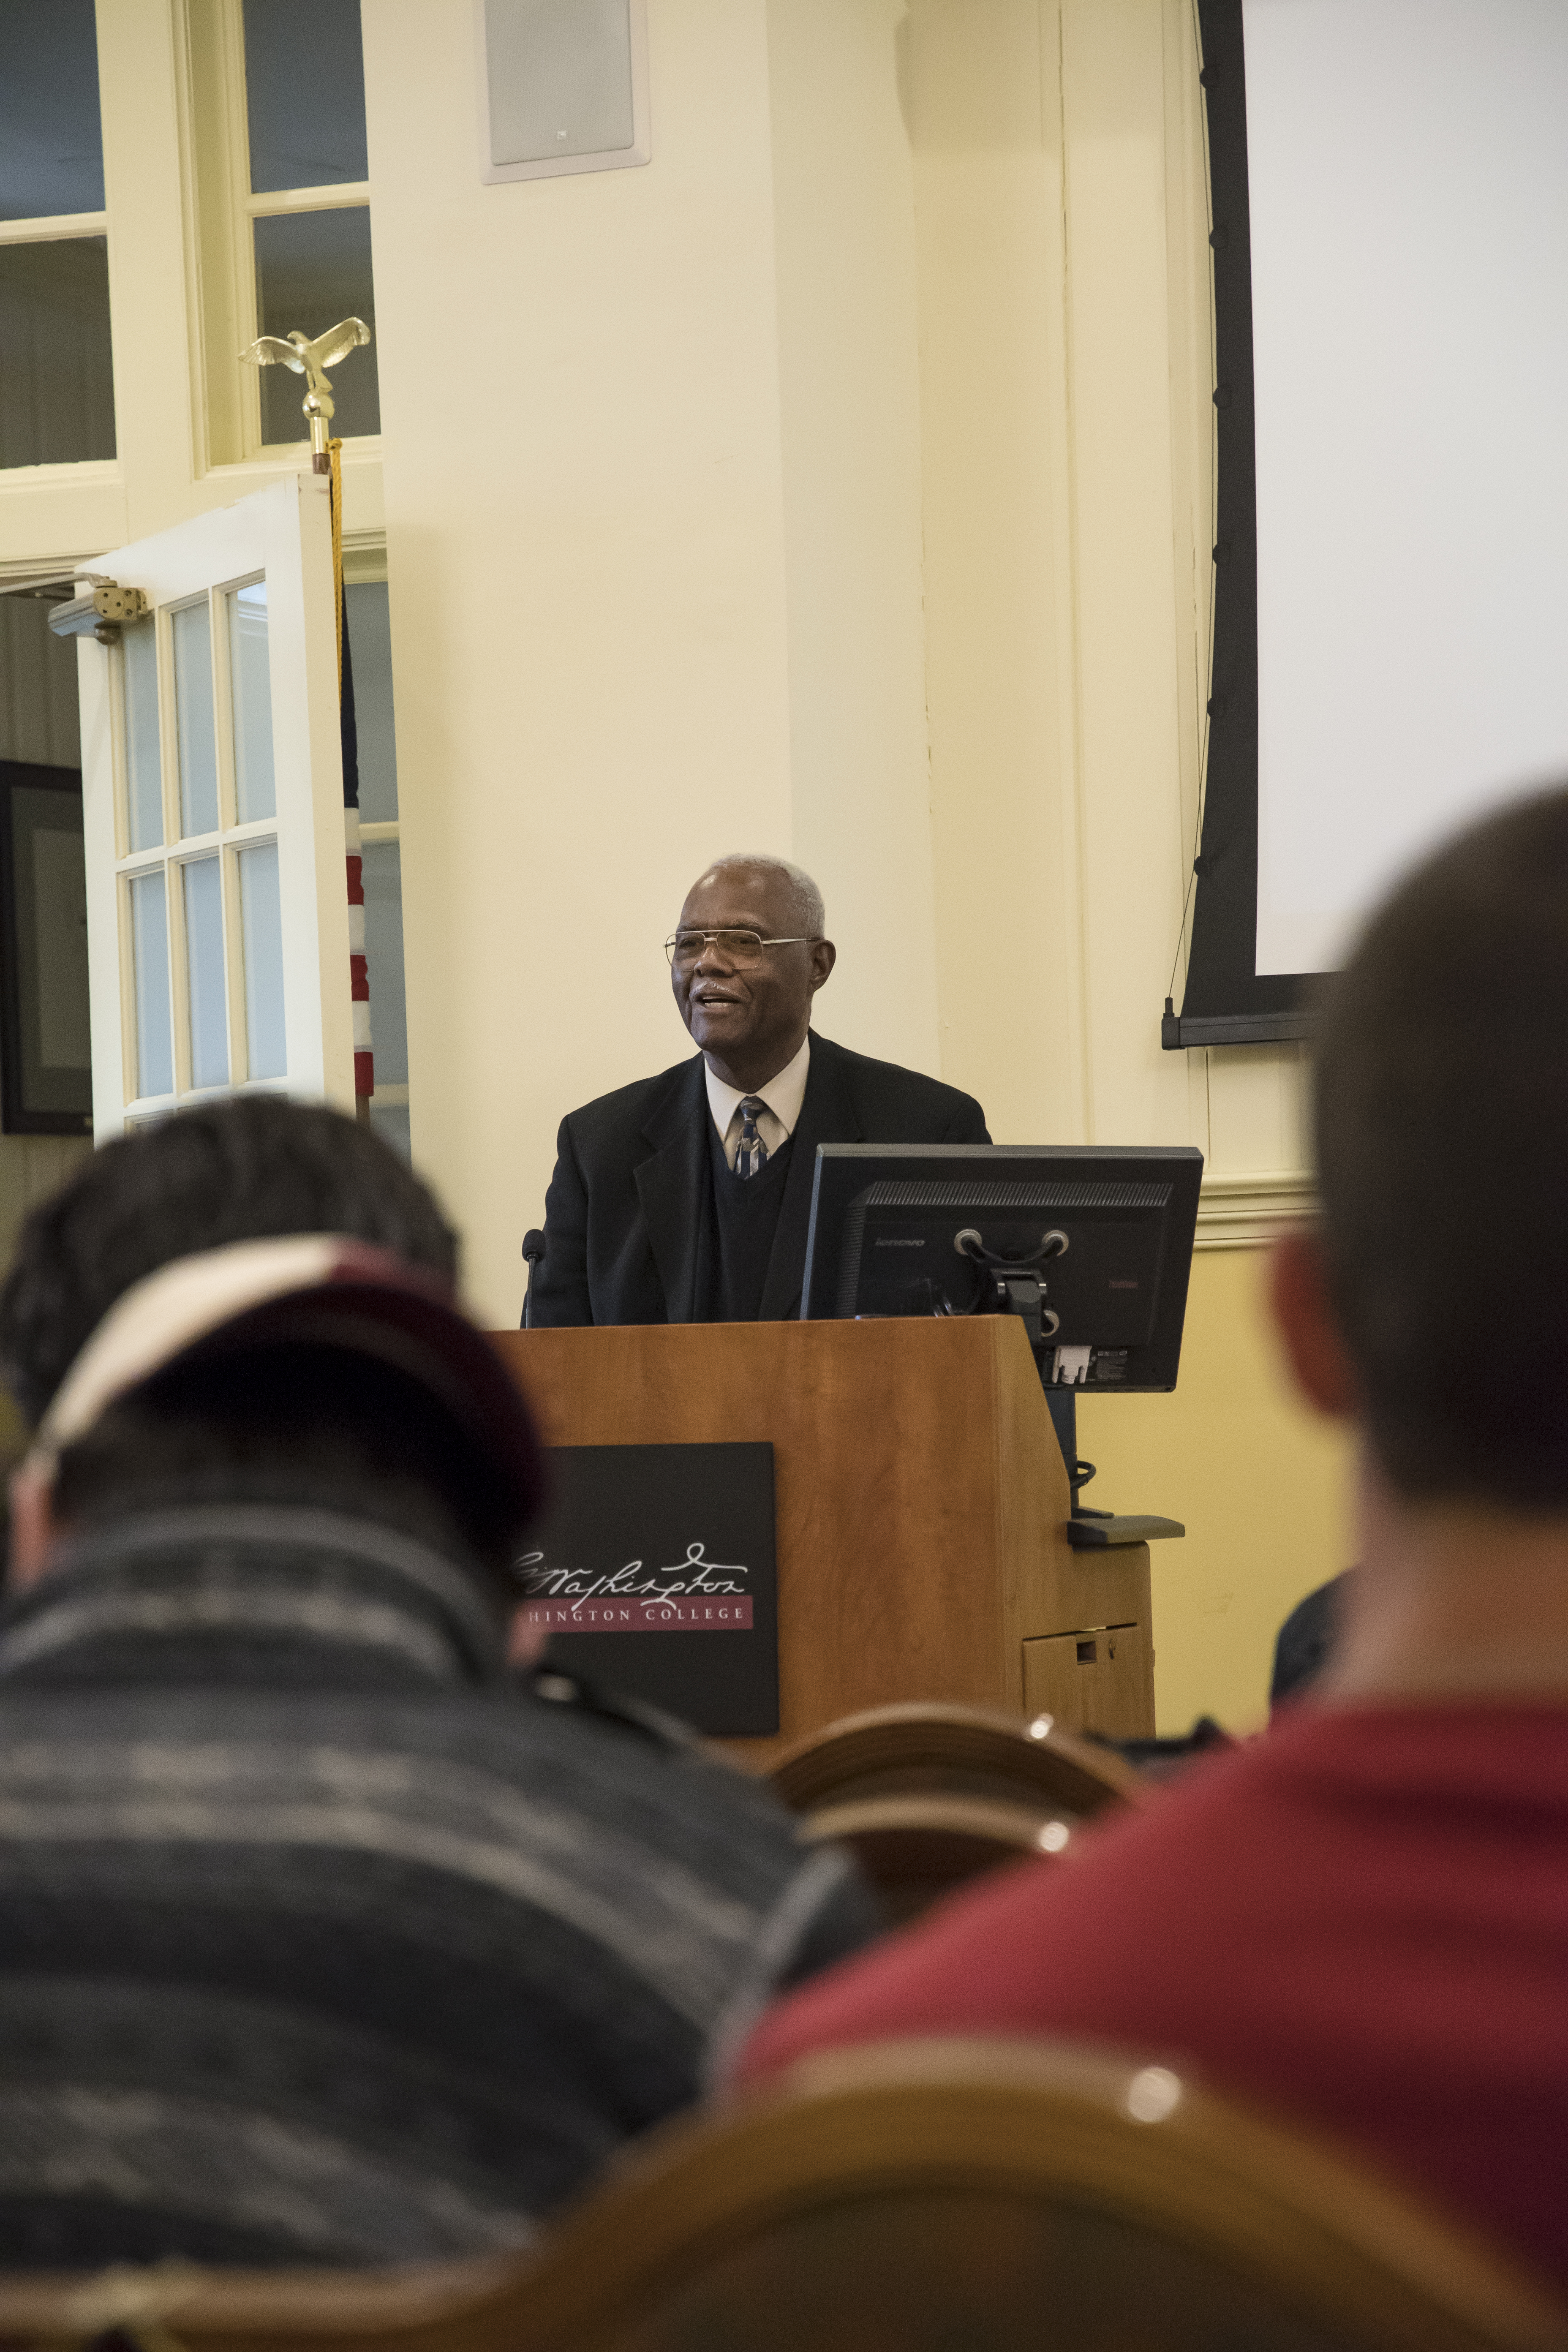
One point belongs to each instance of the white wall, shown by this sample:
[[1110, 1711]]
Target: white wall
[[985, 133], [845, 255], [580, 406], [655, 562]]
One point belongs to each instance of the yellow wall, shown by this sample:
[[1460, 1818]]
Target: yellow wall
[[1261, 1483]]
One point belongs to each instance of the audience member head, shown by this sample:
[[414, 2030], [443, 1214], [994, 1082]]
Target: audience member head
[[306, 1369], [749, 1009], [240, 1170], [1304, 1645], [1432, 1304]]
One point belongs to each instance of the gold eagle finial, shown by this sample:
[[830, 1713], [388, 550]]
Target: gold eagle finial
[[310, 360]]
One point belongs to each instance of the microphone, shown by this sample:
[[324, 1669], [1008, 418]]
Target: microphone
[[533, 1250]]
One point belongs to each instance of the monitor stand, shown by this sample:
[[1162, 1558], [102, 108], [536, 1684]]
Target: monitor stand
[[1090, 1531]]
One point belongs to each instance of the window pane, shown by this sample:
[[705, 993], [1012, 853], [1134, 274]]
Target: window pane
[[313, 269], [56, 384], [193, 726], [261, 922], [383, 875], [145, 814], [391, 1122], [150, 955], [38, 685], [250, 680], [304, 89], [371, 636], [204, 972], [51, 148], [49, 909]]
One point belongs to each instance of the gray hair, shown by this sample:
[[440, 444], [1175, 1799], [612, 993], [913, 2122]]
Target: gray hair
[[804, 896]]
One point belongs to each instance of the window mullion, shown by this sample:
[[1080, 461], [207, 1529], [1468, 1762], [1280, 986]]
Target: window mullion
[[337, 196], [234, 970], [129, 1040], [223, 709], [236, 150], [168, 727], [221, 609], [119, 756], [49, 228], [179, 974]]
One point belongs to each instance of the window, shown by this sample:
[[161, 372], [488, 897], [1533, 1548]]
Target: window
[[57, 382], [45, 1071], [277, 108]]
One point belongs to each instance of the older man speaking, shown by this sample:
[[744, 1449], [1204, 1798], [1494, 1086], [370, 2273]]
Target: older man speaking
[[685, 1197]]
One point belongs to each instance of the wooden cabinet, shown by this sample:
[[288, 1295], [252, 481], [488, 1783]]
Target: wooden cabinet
[[920, 1496], [1100, 1676]]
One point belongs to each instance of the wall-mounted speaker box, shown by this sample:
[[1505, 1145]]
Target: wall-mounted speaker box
[[562, 87]]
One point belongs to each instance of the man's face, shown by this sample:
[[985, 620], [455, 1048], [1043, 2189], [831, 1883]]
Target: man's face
[[750, 1021]]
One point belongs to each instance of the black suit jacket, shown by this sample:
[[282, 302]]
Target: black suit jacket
[[621, 1216]]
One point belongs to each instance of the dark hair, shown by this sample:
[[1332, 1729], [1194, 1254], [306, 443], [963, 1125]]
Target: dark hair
[[1442, 1145], [245, 1169], [285, 1423]]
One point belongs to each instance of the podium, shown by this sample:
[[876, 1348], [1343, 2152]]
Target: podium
[[921, 1499]]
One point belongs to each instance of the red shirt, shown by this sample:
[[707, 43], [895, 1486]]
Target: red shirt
[[1360, 1919]]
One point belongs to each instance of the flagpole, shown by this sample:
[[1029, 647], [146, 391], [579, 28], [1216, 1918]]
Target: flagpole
[[312, 360]]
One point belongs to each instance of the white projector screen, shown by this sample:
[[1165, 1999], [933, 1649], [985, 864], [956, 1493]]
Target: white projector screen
[[1407, 168]]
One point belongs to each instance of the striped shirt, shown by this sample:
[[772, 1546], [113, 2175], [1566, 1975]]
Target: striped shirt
[[322, 1940]]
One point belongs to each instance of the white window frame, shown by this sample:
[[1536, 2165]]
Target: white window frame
[[213, 105]]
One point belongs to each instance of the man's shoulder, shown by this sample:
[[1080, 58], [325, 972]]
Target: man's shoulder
[[890, 1088], [624, 1108], [1355, 1826], [626, 1766], [694, 1843], [560, 1771]]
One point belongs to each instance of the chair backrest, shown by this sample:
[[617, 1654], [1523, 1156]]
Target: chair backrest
[[914, 1850], [1004, 2197], [928, 1797], [954, 1751]]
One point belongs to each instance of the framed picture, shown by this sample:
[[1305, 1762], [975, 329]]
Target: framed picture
[[46, 1053]]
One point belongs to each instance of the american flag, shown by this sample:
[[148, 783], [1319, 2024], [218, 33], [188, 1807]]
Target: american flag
[[359, 971]]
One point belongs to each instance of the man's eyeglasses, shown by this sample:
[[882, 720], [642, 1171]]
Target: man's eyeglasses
[[737, 947]]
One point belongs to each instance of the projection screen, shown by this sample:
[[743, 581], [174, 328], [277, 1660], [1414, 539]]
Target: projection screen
[[1407, 169]]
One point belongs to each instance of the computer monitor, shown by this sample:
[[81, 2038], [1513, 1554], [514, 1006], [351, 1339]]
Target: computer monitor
[[1104, 1231]]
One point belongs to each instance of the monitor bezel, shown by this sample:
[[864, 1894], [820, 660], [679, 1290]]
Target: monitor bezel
[[843, 1170]]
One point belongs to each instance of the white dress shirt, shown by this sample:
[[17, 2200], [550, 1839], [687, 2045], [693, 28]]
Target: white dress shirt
[[782, 1097]]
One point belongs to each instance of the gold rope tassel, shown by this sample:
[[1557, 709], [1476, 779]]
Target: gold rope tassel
[[335, 459]]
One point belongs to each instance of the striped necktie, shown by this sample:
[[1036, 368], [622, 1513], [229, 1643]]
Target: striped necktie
[[750, 1153]]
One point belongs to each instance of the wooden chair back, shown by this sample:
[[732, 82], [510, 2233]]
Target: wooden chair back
[[1004, 2197], [954, 1751], [930, 1797], [915, 1850]]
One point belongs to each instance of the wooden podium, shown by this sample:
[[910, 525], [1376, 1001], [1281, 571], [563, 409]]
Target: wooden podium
[[921, 1506]]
